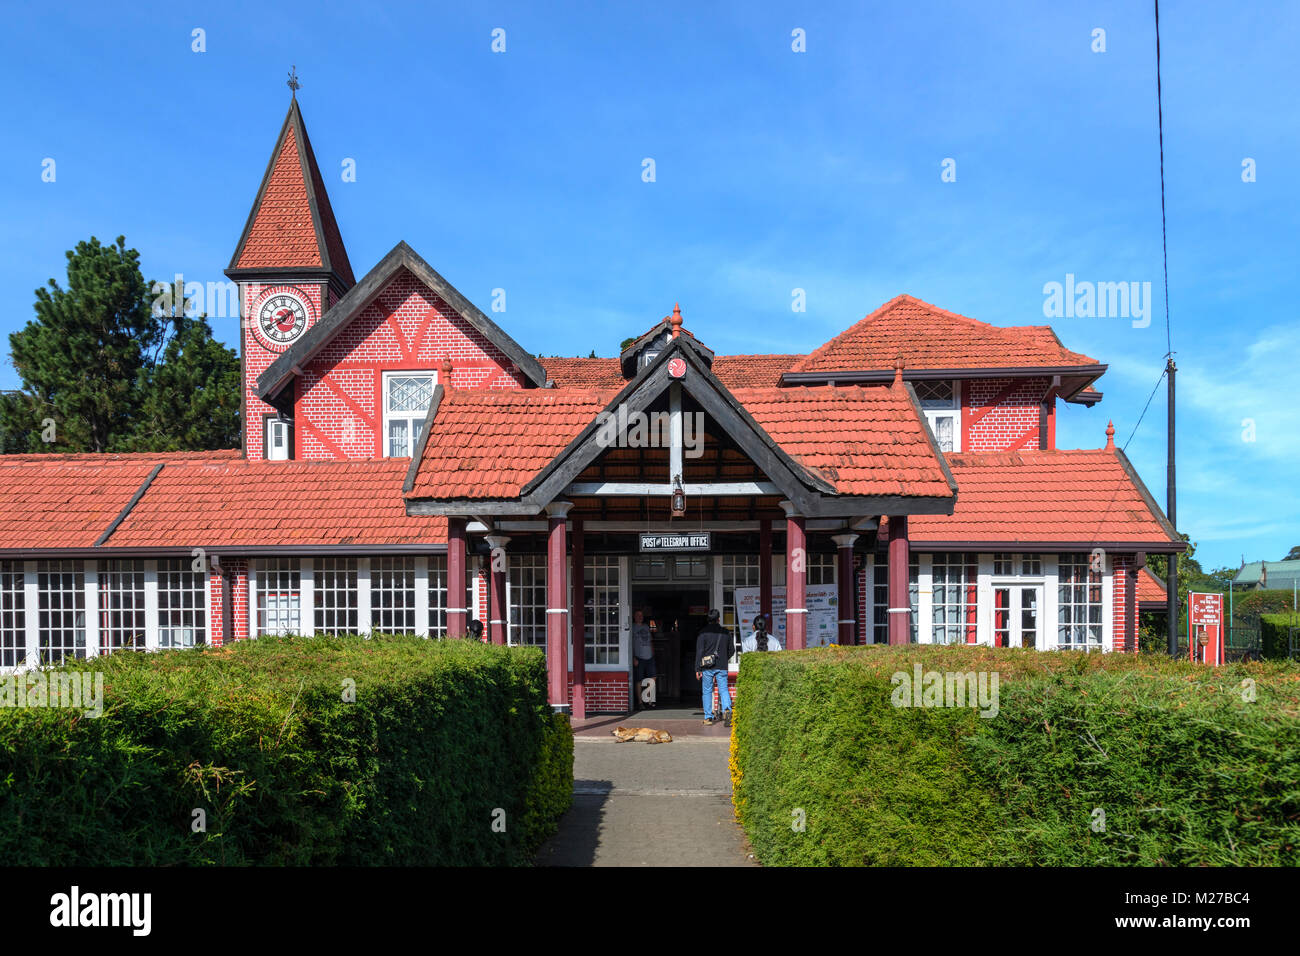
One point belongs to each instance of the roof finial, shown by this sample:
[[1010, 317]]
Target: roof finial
[[898, 369], [676, 320], [293, 84], [1110, 436]]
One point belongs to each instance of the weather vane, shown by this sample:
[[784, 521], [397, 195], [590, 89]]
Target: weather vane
[[294, 85]]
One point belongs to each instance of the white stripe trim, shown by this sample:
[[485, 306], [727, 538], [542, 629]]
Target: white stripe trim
[[557, 610], [850, 621], [900, 610], [796, 610]]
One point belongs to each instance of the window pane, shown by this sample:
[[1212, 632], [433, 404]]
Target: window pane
[[409, 393], [397, 447]]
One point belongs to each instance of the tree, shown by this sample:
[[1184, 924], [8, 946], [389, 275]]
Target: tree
[[1293, 554], [191, 398], [110, 372], [83, 354]]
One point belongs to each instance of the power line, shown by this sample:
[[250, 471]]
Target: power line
[[1163, 371]]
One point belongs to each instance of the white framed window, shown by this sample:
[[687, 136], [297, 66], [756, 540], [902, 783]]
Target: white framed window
[[279, 596], [951, 577], [1079, 604], [182, 604], [406, 402], [392, 595], [277, 439], [121, 605], [336, 594], [61, 620], [601, 609], [438, 595], [941, 403], [13, 614], [526, 598]]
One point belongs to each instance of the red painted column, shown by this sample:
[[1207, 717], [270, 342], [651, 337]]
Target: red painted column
[[457, 613], [579, 624], [844, 576], [796, 578], [764, 575], [557, 630], [900, 605], [497, 566], [1130, 606]]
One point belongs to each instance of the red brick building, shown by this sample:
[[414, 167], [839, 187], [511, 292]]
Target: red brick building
[[408, 466]]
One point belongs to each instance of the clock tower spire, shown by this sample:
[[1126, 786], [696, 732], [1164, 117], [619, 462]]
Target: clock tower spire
[[291, 267]]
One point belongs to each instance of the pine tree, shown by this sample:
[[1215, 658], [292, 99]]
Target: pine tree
[[104, 370], [83, 354]]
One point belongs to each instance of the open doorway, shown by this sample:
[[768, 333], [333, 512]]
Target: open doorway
[[676, 615]]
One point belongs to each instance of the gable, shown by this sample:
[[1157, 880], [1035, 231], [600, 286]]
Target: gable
[[337, 323]]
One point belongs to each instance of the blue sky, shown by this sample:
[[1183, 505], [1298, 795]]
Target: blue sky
[[775, 170]]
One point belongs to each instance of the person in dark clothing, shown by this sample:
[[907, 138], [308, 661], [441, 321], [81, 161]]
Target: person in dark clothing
[[713, 649]]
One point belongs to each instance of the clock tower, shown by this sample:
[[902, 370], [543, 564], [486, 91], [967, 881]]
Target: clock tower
[[291, 267]]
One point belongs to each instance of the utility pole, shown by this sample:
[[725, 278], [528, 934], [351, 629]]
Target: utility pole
[[1171, 584]]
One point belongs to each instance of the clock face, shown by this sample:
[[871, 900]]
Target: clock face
[[282, 318]]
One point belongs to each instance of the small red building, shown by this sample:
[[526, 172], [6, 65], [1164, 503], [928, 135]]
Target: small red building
[[408, 466]]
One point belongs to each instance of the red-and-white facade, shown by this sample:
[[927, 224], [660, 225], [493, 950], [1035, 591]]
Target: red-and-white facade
[[407, 466]]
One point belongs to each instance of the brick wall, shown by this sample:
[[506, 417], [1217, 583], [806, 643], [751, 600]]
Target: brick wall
[[238, 569], [1013, 420], [258, 354], [1123, 567], [338, 403], [607, 691]]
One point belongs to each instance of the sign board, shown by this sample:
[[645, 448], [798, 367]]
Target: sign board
[[676, 541], [823, 613], [1205, 627]]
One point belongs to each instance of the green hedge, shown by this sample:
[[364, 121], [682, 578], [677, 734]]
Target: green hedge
[[1275, 634], [1185, 769], [447, 755]]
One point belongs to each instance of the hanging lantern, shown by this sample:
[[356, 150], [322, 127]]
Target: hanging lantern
[[679, 498]]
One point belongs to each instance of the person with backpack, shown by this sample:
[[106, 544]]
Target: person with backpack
[[713, 649]]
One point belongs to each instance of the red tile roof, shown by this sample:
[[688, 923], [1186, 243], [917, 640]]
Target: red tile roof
[[53, 504], [932, 338], [487, 444], [584, 372], [863, 440], [1039, 497], [282, 232], [1150, 589], [276, 503], [752, 371], [734, 371]]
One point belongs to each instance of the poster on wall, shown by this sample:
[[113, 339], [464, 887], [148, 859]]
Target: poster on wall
[[823, 613]]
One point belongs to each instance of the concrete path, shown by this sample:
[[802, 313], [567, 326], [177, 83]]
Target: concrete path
[[648, 805]]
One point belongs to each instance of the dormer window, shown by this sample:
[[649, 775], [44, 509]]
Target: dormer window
[[406, 403], [941, 404]]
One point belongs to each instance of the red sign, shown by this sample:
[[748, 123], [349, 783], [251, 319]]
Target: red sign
[[677, 367], [1205, 627]]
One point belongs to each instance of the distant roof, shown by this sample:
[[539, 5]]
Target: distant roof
[[928, 337], [1045, 498], [1150, 589], [1280, 573]]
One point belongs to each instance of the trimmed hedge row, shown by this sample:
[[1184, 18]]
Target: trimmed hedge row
[[301, 751], [1091, 759]]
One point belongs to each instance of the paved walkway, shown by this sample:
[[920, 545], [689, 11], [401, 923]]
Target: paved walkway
[[638, 804]]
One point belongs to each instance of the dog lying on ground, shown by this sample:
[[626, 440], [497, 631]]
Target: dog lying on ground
[[623, 734]]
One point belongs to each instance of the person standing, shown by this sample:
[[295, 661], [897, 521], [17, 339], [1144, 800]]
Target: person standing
[[759, 639], [713, 648], [643, 654]]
